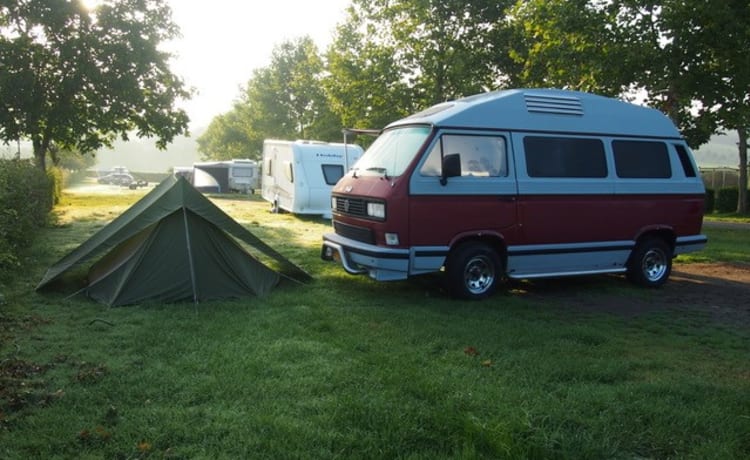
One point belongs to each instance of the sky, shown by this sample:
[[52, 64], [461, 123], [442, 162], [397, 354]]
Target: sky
[[223, 41]]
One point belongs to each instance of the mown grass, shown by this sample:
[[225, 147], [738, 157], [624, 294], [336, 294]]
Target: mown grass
[[349, 368], [724, 245], [728, 217]]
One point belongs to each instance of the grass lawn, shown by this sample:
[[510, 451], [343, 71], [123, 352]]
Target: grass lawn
[[349, 368]]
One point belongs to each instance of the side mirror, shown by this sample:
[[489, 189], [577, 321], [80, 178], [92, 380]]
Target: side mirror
[[451, 167]]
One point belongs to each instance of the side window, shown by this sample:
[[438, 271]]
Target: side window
[[481, 156], [684, 156], [564, 157], [289, 171], [332, 173], [641, 159], [268, 170]]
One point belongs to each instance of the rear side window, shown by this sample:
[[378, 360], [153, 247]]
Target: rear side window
[[684, 156], [564, 157], [641, 159], [332, 173]]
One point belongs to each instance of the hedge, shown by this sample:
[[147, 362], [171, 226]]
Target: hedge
[[710, 202], [727, 198], [26, 198]]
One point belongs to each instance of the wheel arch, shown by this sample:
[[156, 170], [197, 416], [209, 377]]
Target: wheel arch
[[665, 233], [494, 240]]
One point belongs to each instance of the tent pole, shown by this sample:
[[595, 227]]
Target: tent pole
[[190, 256]]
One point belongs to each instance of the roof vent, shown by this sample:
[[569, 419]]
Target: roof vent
[[561, 105]]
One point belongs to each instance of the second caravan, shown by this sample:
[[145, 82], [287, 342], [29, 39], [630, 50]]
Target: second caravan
[[298, 175]]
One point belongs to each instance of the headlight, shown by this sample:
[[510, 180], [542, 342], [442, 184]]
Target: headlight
[[333, 203], [376, 210]]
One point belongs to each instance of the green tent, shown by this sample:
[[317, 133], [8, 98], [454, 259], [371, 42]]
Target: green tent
[[170, 246]]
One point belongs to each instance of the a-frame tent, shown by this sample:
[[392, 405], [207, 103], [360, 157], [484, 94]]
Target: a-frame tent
[[172, 245]]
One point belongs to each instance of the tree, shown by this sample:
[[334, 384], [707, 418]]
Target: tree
[[567, 44], [364, 85], [81, 79], [715, 37], [392, 57], [286, 100], [227, 138], [71, 160]]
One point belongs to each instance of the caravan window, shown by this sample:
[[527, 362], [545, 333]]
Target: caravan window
[[242, 172], [481, 156], [332, 173], [641, 159], [289, 171], [564, 157]]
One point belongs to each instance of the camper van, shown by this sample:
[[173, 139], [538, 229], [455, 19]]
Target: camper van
[[520, 184], [298, 175]]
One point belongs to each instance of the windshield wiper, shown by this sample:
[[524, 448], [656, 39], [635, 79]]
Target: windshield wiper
[[380, 170]]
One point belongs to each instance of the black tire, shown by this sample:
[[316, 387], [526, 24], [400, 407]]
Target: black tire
[[650, 264], [473, 271]]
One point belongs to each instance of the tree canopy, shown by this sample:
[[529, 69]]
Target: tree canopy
[[284, 100], [79, 79]]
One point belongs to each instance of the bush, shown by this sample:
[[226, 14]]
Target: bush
[[710, 202], [726, 199], [26, 198]]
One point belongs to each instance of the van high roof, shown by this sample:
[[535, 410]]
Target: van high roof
[[547, 110]]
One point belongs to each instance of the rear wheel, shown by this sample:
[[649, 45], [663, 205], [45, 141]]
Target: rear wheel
[[473, 271], [650, 263]]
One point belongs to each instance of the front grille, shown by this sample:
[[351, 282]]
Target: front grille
[[362, 234], [351, 206]]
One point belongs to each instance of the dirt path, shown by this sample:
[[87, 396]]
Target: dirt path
[[722, 290]]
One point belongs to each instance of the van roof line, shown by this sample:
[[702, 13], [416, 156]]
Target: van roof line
[[547, 110]]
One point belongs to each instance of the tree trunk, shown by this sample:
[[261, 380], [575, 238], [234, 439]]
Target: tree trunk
[[40, 154], [742, 182]]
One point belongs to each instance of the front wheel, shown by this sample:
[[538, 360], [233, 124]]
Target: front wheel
[[473, 271], [651, 263]]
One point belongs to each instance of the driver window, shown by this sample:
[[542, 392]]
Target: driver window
[[481, 156]]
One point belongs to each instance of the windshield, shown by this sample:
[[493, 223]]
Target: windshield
[[392, 152]]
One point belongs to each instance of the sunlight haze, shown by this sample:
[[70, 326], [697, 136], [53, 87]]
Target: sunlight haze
[[223, 41]]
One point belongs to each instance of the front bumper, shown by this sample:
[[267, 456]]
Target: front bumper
[[357, 258]]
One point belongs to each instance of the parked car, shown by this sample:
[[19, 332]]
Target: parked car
[[117, 179], [137, 183]]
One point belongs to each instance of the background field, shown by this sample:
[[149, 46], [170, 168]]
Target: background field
[[348, 368]]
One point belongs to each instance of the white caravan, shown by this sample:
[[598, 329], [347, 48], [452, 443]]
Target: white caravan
[[298, 175], [244, 176]]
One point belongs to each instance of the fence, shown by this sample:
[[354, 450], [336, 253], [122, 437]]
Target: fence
[[721, 177]]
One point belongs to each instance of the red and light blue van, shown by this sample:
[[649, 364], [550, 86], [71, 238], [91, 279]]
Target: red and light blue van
[[520, 184]]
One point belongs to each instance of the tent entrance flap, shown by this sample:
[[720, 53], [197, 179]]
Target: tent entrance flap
[[189, 251]]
